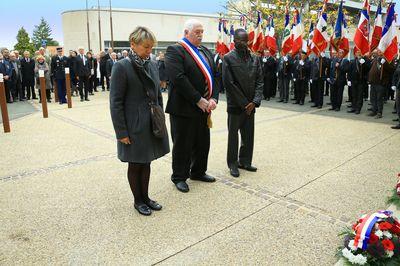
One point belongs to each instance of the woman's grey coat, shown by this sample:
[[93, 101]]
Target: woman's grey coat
[[130, 111]]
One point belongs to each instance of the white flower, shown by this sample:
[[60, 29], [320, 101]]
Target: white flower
[[360, 259], [389, 253], [347, 253], [379, 233], [351, 245], [387, 234]]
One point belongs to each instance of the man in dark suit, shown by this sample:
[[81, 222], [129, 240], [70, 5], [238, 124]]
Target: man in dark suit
[[104, 57], [285, 65], [338, 80], [358, 78], [6, 69], [16, 87], [380, 76], [244, 82], [319, 71], [110, 64], [301, 75], [269, 75], [58, 65], [191, 99], [28, 76], [82, 73]]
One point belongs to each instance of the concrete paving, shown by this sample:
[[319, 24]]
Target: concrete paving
[[65, 198]]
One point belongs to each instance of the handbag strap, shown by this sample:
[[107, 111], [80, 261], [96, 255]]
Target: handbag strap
[[146, 91]]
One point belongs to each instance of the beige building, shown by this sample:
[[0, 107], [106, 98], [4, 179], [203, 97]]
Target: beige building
[[166, 25]]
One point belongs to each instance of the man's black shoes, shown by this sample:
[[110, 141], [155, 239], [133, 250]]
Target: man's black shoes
[[182, 186], [204, 178], [234, 171], [248, 168]]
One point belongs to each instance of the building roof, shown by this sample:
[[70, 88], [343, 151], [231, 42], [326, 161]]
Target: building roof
[[145, 11]]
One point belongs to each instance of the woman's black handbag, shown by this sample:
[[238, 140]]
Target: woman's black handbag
[[158, 120]]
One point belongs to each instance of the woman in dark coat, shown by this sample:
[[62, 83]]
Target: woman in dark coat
[[132, 78]]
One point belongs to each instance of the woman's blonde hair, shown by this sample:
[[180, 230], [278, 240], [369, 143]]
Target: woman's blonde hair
[[39, 57], [141, 34]]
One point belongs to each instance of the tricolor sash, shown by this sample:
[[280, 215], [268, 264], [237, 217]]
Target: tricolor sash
[[201, 63], [364, 229]]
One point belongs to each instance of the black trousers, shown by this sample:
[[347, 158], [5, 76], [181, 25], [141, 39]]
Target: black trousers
[[191, 145], [327, 88], [284, 93], [350, 93], [300, 90], [313, 90], [7, 87], [398, 102], [103, 74], [366, 91], [245, 124], [337, 94], [274, 84], [377, 97], [30, 89], [91, 83], [319, 92], [358, 95], [16, 90], [83, 87]]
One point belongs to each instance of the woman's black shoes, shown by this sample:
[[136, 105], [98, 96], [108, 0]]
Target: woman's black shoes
[[154, 205], [143, 209]]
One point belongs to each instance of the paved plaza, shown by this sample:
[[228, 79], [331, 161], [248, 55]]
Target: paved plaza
[[65, 197]]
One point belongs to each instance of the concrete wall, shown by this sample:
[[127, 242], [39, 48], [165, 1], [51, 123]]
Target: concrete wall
[[167, 26]]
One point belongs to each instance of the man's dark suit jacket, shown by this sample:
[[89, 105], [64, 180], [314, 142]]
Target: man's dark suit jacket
[[109, 66], [187, 82], [80, 69]]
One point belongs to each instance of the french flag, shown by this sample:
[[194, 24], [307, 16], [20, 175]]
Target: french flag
[[265, 44], [298, 31], [338, 35], [310, 44], [321, 38], [377, 32], [231, 35], [344, 44], [287, 40], [388, 43], [221, 46], [271, 38], [361, 37], [258, 34]]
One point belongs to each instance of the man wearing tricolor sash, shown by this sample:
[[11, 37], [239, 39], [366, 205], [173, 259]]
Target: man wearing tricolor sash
[[193, 95], [243, 79]]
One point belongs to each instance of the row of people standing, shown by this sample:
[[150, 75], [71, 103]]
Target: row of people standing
[[322, 76]]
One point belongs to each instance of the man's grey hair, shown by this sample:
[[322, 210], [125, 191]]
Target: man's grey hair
[[113, 54], [189, 24]]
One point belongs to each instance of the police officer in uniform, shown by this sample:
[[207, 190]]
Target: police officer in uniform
[[58, 65], [358, 79], [301, 77]]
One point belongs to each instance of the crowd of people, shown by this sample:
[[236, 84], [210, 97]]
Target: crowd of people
[[88, 71]]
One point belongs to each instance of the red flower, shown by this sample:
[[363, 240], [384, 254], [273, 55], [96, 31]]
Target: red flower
[[395, 230], [385, 226], [387, 244], [373, 239]]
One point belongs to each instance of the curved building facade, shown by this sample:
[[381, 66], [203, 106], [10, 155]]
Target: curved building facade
[[167, 27]]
